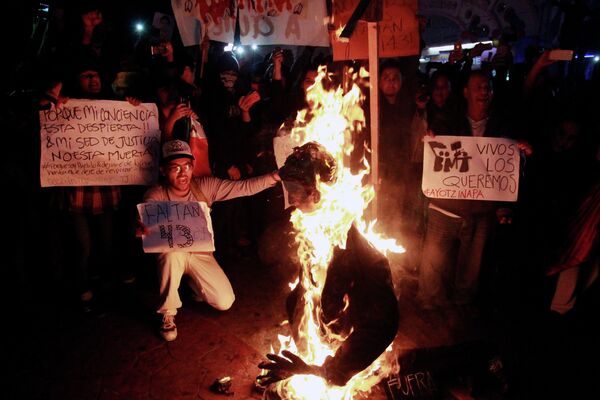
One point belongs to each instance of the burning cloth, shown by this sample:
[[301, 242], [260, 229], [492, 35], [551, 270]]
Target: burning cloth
[[355, 309]]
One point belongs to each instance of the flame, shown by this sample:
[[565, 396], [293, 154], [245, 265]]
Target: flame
[[333, 119]]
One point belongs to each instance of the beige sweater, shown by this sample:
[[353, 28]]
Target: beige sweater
[[214, 189]]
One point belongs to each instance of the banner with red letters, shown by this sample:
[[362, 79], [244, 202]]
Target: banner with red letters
[[262, 22]]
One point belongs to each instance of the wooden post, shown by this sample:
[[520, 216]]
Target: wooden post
[[373, 34], [204, 46]]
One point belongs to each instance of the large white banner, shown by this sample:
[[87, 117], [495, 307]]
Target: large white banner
[[262, 22], [218, 17], [99, 142], [471, 168], [190, 29], [176, 226], [291, 22]]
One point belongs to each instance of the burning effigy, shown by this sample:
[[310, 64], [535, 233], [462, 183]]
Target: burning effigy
[[342, 310]]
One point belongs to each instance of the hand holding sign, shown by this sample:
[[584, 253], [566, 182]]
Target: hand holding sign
[[175, 226], [99, 142]]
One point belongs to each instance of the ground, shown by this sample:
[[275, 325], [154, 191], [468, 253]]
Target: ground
[[55, 352]]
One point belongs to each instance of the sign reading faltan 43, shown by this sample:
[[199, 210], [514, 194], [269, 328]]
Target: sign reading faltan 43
[[471, 168], [176, 226]]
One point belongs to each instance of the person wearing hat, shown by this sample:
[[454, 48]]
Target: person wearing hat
[[208, 281]]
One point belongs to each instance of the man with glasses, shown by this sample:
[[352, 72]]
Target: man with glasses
[[208, 281]]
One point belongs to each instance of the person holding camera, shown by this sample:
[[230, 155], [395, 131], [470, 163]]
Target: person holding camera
[[435, 112], [178, 120], [226, 105]]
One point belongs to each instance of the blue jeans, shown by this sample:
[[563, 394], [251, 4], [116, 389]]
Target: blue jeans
[[452, 254]]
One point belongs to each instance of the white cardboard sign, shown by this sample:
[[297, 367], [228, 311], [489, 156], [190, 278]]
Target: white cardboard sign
[[176, 226], [283, 146], [99, 142], [471, 168]]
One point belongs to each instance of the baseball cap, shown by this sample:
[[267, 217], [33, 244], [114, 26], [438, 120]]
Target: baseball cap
[[176, 149]]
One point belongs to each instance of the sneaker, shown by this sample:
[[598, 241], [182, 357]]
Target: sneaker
[[168, 329]]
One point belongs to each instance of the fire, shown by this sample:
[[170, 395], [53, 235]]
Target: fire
[[333, 119]]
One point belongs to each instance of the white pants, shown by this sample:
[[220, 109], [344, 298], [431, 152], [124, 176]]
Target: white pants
[[208, 281]]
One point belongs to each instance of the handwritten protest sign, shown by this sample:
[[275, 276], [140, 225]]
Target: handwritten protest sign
[[471, 168], [283, 146], [99, 142], [262, 22], [176, 226], [398, 31]]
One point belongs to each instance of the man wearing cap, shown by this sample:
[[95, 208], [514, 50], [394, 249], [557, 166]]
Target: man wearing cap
[[208, 281]]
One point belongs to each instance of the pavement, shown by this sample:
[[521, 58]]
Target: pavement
[[55, 352]]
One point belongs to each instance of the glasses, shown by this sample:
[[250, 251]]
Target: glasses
[[179, 168]]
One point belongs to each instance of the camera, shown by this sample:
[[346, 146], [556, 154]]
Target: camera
[[158, 50]]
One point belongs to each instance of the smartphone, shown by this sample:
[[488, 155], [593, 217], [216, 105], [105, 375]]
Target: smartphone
[[43, 10], [561, 55]]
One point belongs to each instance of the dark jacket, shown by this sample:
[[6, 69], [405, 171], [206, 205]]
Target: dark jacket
[[363, 274]]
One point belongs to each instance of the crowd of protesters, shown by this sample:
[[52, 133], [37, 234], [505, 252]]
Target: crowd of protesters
[[67, 237]]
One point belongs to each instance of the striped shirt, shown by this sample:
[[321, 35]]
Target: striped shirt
[[94, 199]]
